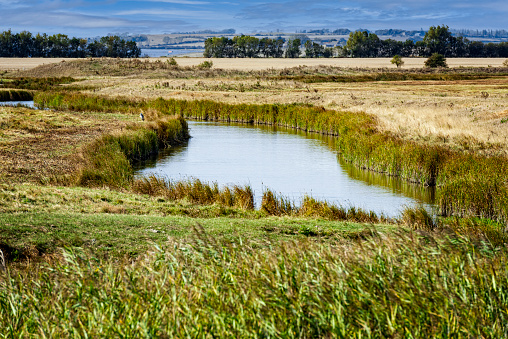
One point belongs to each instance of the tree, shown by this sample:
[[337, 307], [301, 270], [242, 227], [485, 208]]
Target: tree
[[439, 40], [397, 61], [293, 48], [362, 44], [436, 60]]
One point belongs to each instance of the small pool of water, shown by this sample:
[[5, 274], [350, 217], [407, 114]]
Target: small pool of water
[[292, 163], [18, 103]]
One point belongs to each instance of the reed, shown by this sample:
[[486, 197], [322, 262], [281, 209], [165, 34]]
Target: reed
[[15, 95], [433, 288], [274, 204], [418, 218], [469, 184], [108, 160], [196, 192]]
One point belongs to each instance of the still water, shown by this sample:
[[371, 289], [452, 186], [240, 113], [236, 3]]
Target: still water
[[292, 163], [18, 103]]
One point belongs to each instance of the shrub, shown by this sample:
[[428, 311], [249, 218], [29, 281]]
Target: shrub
[[206, 64], [397, 61], [436, 60], [505, 63]]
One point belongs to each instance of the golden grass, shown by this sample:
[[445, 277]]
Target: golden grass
[[9, 64], [257, 64], [36, 145]]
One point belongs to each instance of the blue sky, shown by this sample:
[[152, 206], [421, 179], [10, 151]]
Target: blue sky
[[85, 18]]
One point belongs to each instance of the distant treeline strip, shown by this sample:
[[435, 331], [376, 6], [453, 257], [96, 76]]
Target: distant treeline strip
[[470, 184], [361, 44], [24, 45]]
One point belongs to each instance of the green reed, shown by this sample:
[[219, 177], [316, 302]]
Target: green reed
[[432, 288], [196, 191], [107, 161]]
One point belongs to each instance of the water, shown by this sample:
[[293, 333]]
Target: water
[[17, 103], [157, 53], [288, 162]]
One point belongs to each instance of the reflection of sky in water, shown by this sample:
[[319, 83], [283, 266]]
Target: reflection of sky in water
[[16, 103], [290, 163]]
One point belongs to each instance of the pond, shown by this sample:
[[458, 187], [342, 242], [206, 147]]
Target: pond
[[292, 163], [18, 103]]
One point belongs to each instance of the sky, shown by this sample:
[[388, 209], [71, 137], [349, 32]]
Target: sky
[[87, 18]]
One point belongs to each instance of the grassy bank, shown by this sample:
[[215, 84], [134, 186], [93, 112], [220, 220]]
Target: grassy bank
[[107, 161], [470, 184], [434, 287]]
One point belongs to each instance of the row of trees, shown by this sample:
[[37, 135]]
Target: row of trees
[[361, 44], [436, 40], [243, 46], [25, 44]]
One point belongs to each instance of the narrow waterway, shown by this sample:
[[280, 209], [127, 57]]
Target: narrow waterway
[[18, 103], [292, 163]]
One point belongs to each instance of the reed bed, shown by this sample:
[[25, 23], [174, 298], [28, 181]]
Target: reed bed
[[197, 192], [108, 160], [377, 288], [278, 205], [15, 95], [470, 184]]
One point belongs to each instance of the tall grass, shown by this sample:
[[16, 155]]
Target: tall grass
[[469, 184], [108, 160], [195, 191], [15, 95], [433, 288]]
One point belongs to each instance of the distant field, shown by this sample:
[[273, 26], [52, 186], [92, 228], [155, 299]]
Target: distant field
[[7, 64]]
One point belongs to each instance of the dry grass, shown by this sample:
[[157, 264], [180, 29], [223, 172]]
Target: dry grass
[[256, 64], [35, 145], [12, 64], [261, 64], [455, 113]]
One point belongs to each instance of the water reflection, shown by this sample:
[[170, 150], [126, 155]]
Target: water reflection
[[29, 104], [293, 163]]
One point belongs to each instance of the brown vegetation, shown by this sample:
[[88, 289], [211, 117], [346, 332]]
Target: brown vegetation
[[41, 145]]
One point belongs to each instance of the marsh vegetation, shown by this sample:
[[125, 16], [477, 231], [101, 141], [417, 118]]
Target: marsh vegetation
[[93, 248]]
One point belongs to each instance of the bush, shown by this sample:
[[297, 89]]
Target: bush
[[505, 63], [436, 60], [205, 64], [172, 62], [397, 61]]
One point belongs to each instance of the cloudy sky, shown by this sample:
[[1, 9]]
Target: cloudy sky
[[93, 17]]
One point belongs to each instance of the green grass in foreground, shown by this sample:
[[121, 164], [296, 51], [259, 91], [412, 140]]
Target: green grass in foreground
[[38, 220], [401, 286]]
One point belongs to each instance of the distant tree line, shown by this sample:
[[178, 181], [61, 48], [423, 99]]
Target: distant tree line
[[24, 44], [361, 44], [436, 40]]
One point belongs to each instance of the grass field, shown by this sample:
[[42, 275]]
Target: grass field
[[86, 250], [9, 64]]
